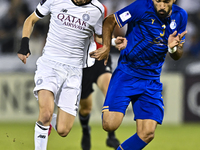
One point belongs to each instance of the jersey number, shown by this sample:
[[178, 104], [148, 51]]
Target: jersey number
[[164, 27]]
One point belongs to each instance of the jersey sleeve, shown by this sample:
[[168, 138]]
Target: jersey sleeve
[[183, 24], [43, 8], [130, 13], [99, 24]]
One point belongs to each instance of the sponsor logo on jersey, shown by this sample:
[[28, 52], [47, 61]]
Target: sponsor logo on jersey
[[173, 24], [86, 17], [64, 10], [71, 21], [125, 16], [153, 20], [42, 136]]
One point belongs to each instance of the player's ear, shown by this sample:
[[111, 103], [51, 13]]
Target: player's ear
[[174, 1]]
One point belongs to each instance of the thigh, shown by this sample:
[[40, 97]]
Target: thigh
[[103, 82]]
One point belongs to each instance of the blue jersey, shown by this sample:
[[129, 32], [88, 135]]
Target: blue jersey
[[147, 37]]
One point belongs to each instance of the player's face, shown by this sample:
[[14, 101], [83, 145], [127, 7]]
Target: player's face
[[81, 2], [163, 7]]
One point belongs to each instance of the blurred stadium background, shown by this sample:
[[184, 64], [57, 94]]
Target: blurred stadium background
[[19, 108]]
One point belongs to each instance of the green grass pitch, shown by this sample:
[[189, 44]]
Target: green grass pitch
[[16, 136]]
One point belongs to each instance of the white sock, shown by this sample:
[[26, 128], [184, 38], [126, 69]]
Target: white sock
[[53, 121], [41, 137]]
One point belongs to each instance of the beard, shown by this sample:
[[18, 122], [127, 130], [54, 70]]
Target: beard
[[162, 13]]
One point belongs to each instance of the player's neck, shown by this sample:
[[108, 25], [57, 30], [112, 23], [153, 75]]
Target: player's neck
[[81, 2]]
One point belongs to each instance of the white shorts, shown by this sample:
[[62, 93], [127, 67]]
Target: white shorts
[[63, 80]]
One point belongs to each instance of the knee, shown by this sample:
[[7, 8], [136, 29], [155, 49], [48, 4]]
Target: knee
[[108, 126], [45, 117], [63, 131], [111, 120], [146, 135], [85, 111]]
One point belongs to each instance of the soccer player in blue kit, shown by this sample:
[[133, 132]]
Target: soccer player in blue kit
[[155, 28]]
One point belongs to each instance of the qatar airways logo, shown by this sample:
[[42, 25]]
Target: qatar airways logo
[[71, 21]]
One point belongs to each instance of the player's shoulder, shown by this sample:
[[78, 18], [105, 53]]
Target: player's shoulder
[[97, 4], [177, 9], [141, 6], [142, 3]]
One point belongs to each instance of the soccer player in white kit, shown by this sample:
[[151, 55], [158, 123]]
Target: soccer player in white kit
[[58, 77]]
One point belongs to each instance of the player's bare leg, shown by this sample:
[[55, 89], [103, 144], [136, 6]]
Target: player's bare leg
[[112, 120], [65, 122], [103, 83], [146, 129], [84, 116], [46, 107]]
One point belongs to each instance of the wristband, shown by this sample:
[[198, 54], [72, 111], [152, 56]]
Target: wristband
[[172, 50], [113, 42], [24, 49]]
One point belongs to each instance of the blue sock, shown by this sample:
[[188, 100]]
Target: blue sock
[[132, 143]]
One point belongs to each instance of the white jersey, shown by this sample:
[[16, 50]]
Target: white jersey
[[71, 30]]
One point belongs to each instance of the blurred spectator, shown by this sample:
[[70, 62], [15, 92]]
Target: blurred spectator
[[32, 4], [192, 46], [4, 6], [9, 23], [12, 16], [194, 49], [191, 6], [14, 12]]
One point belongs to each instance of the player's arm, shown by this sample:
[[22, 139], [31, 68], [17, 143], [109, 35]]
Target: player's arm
[[29, 23], [175, 47], [98, 38], [108, 27], [119, 42]]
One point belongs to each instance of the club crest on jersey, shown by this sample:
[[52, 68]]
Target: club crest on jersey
[[173, 24], [39, 81], [86, 17]]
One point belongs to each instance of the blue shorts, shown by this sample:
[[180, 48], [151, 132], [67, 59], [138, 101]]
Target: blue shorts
[[144, 94]]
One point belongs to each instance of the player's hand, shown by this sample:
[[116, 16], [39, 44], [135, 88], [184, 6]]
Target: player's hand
[[100, 54], [23, 57], [24, 51], [174, 40], [121, 43]]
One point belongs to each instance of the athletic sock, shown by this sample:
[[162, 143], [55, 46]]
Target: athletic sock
[[41, 137], [84, 120], [53, 121], [111, 134], [132, 143]]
